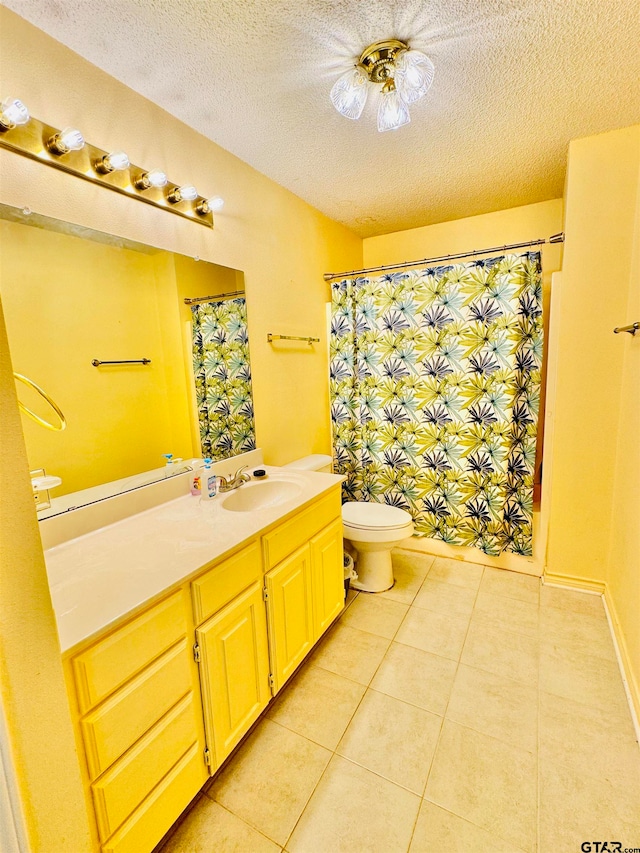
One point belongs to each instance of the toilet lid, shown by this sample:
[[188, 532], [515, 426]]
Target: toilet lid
[[374, 516]]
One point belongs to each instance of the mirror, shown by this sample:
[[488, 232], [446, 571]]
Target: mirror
[[72, 296]]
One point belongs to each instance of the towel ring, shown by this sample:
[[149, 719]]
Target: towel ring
[[32, 415]]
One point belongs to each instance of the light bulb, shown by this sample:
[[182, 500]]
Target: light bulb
[[392, 111], [413, 75], [12, 114], [184, 193], [67, 140], [349, 93], [115, 162], [153, 178], [211, 205]]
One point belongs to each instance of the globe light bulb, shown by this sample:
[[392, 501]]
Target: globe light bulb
[[67, 140], [349, 93], [215, 204], [157, 178], [392, 111], [413, 75], [12, 114]]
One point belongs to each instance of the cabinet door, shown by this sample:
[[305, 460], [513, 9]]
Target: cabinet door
[[290, 614], [328, 576], [234, 671]]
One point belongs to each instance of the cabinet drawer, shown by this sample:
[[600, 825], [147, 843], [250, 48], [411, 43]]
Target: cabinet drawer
[[225, 581], [111, 662], [298, 530], [110, 730], [121, 790], [150, 822]]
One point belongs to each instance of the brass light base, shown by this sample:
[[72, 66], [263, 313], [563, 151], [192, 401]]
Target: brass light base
[[378, 59], [32, 140]]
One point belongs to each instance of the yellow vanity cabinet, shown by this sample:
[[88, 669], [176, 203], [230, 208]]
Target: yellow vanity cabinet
[[138, 719], [304, 583], [231, 648]]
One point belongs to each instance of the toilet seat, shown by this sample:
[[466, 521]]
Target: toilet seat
[[363, 515]]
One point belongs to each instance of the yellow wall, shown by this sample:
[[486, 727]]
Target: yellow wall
[[595, 503], [283, 246], [519, 224]]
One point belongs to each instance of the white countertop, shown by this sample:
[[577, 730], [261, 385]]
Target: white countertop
[[98, 578]]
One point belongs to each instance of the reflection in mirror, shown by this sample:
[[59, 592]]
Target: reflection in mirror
[[72, 296]]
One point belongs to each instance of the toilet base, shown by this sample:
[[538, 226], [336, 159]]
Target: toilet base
[[375, 572]]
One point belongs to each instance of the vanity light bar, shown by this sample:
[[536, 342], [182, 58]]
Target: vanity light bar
[[67, 150]]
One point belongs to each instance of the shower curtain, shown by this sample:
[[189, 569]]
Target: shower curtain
[[435, 381], [223, 378]]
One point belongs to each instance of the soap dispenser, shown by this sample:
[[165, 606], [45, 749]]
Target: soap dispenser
[[209, 483]]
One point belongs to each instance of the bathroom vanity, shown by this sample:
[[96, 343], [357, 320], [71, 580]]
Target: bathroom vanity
[[178, 626]]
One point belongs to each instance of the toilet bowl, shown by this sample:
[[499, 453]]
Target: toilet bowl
[[374, 529]]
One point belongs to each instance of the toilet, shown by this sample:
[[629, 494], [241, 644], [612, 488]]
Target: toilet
[[374, 529]]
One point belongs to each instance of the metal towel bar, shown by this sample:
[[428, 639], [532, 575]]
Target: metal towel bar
[[309, 340], [632, 329], [96, 361]]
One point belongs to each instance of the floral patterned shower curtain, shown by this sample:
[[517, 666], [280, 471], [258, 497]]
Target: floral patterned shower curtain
[[223, 378], [435, 381]]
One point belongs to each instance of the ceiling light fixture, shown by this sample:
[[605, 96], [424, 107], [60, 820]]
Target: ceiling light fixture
[[404, 74]]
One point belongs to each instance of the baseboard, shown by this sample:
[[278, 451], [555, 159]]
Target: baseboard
[[581, 584], [437, 548], [631, 686], [623, 657]]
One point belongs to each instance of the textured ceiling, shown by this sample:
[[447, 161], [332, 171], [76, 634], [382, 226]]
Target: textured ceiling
[[515, 81]]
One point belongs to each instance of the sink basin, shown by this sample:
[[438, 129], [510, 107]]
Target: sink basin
[[254, 496]]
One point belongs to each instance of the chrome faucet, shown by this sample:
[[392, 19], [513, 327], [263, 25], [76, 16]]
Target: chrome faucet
[[235, 482]]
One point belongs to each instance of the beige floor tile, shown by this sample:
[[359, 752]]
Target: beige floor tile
[[437, 633], [584, 678], [576, 632], [413, 561], [496, 706], [571, 600], [318, 705], [409, 571], [416, 676], [502, 652], [351, 653], [376, 615], [510, 614], [511, 585], [393, 739], [439, 831], [209, 827], [590, 741], [445, 598], [456, 572], [270, 779], [486, 782], [354, 811], [575, 808]]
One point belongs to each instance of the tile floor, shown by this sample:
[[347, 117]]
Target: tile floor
[[467, 709]]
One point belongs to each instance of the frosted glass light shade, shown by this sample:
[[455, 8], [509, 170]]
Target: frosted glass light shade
[[116, 161], [392, 111], [349, 93], [156, 178], [68, 139], [413, 75], [13, 113]]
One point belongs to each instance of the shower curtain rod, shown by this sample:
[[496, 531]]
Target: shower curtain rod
[[216, 298], [555, 238]]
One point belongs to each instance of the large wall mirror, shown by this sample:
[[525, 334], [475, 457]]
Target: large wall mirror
[[72, 296]]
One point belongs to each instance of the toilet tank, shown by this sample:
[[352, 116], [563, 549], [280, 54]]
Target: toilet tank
[[316, 462]]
